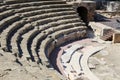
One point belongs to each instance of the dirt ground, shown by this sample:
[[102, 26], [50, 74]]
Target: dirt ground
[[108, 67]]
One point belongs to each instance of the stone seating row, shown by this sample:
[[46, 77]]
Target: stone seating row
[[66, 56], [23, 1], [73, 69], [24, 44], [7, 21], [15, 40], [6, 34], [32, 8]]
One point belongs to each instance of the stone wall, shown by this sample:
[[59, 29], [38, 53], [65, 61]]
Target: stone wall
[[113, 6], [90, 6]]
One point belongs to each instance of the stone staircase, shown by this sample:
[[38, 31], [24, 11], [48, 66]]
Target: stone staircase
[[32, 29]]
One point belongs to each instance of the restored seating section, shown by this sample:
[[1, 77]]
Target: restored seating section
[[32, 29]]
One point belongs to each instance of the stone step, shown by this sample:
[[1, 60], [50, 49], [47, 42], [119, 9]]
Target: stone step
[[43, 7], [68, 53], [6, 35], [59, 22], [38, 17], [48, 20], [7, 21], [15, 39], [75, 62], [24, 44], [49, 11], [36, 41], [38, 3], [25, 1], [21, 8], [6, 14], [3, 8]]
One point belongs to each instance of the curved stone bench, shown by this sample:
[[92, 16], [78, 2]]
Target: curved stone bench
[[3, 7], [42, 17], [7, 33], [24, 44], [25, 1], [68, 53], [84, 61], [73, 68], [47, 20], [6, 14], [15, 43], [37, 3], [36, 42], [39, 8], [8, 21], [50, 12]]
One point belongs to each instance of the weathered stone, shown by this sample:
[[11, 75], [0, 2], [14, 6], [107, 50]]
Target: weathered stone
[[116, 38]]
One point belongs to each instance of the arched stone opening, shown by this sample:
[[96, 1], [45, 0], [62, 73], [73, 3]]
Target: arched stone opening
[[83, 13]]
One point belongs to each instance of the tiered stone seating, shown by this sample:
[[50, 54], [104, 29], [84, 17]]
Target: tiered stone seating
[[7, 34], [34, 28], [33, 18], [15, 40], [8, 21], [24, 43], [44, 47]]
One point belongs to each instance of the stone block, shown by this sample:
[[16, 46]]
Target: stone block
[[116, 38]]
